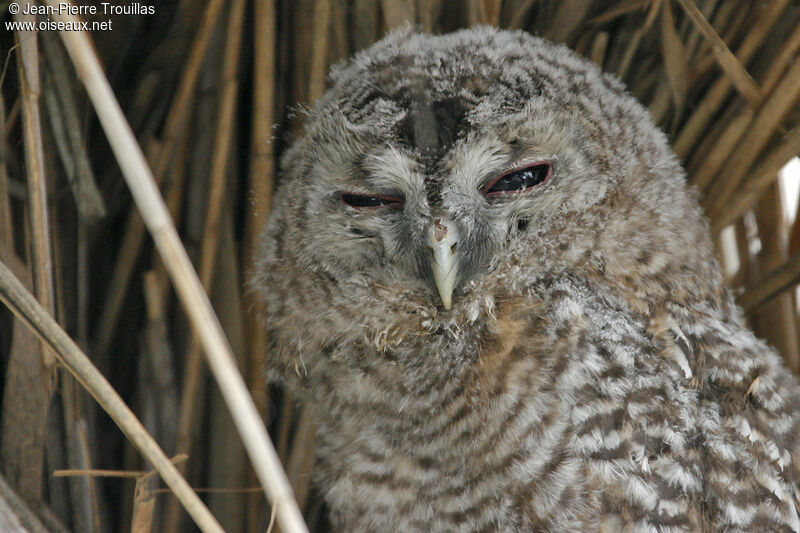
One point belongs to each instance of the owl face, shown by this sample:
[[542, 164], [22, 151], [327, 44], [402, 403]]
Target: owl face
[[441, 174]]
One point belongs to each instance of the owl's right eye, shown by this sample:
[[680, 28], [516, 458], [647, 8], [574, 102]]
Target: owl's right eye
[[363, 201]]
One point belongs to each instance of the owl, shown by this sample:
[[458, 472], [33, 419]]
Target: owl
[[487, 276]]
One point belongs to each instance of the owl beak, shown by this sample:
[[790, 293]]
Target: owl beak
[[443, 238]]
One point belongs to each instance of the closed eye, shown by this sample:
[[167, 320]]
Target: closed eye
[[518, 181], [370, 201]]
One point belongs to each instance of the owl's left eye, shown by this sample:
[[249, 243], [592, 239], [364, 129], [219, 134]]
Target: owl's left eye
[[518, 181], [364, 201]]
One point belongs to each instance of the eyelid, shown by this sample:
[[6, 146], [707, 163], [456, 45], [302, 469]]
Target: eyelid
[[391, 201], [520, 168]]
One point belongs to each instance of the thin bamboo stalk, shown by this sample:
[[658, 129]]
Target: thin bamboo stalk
[[25, 307], [187, 284]]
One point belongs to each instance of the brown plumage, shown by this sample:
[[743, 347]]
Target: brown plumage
[[485, 271]]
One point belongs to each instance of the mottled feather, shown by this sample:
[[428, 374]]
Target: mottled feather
[[593, 373]]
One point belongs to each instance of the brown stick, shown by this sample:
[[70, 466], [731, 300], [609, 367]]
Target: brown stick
[[756, 182], [734, 69], [186, 282], [134, 230], [261, 176], [775, 282], [41, 254], [759, 133], [216, 199], [25, 307], [715, 96], [144, 503], [211, 231], [776, 321], [319, 49]]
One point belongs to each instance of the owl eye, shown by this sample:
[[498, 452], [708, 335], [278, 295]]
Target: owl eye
[[518, 180], [363, 201]]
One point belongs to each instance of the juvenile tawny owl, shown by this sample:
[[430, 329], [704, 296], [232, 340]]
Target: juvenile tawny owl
[[485, 271]]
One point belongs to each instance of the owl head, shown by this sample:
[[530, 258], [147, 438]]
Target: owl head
[[443, 177]]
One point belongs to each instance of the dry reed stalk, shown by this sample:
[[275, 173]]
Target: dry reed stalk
[[695, 41], [187, 284], [15, 515], [25, 307], [630, 52], [599, 48], [133, 234], [781, 61], [733, 68], [24, 415], [85, 512], [173, 192], [302, 457], [676, 61], [743, 250], [622, 8], [229, 467], [784, 277], [260, 182], [144, 503], [6, 228], [428, 12], [41, 253], [715, 96], [756, 182], [758, 135], [712, 158], [319, 47], [776, 321], [483, 12], [398, 12], [569, 16], [209, 246], [62, 111], [519, 11], [31, 366], [100, 472], [364, 22], [339, 46], [215, 202]]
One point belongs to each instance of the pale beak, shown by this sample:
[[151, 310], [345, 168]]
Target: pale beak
[[443, 238]]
